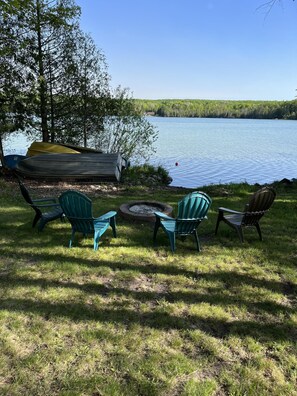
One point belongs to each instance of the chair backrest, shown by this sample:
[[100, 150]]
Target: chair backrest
[[25, 193], [192, 209], [78, 209], [258, 205], [194, 205]]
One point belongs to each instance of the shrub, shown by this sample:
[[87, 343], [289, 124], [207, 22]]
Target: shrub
[[147, 175]]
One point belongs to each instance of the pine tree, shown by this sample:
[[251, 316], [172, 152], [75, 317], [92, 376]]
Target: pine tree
[[32, 30]]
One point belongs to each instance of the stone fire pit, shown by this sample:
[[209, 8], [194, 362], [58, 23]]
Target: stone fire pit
[[144, 210]]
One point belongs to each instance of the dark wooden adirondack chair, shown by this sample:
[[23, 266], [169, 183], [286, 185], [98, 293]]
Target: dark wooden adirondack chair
[[46, 209], [78, 209], [192, 209], [259, 204]]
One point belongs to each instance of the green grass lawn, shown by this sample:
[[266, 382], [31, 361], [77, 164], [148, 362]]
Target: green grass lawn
[[134, 319]]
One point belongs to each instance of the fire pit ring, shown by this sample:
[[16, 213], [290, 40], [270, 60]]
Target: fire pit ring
[[144, 210]]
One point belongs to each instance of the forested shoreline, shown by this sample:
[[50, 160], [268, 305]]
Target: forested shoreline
[[219, 108]]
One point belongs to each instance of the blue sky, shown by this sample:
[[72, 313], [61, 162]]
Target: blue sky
[[197, 49]]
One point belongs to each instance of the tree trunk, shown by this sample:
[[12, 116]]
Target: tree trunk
[[52, 107], [1, 152], [42, 80]]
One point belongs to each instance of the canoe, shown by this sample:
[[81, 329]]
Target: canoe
[[38, 148], [81, 149], [11, 160], [67, 166]]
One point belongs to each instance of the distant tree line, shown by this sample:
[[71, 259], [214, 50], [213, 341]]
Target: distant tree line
[[54, 81], [219, 108]]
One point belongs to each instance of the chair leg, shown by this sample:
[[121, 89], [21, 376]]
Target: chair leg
[[113, 226], [197, 241], [41, 224], [97, 234], [35, 220], [257, 225], [172, 241], [240, 233], [219, 219], [72, 238], [157, 225], [96, 242]]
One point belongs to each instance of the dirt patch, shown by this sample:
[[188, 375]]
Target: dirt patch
[[145, 283], [44, 188], [48, 188]]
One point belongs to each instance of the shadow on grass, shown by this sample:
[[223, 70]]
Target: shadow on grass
[[145, 268], [215, 297], [228, 294], [269, 330], [158, 320]]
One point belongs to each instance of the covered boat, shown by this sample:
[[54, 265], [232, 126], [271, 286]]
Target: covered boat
[[11, 160], [38, 148], [69, 166]]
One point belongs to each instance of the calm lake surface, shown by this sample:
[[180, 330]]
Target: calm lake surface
[[214, 150]]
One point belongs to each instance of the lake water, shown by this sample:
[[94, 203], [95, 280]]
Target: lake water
[[213, 150]]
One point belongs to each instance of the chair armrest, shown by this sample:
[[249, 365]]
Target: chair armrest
[[50, 199], [229, 211], [163, 216], [49, 205], [106, 216]]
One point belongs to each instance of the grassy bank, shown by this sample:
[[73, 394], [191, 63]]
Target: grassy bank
[[131, 319]]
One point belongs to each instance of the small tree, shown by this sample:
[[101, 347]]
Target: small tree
[[126, 130]]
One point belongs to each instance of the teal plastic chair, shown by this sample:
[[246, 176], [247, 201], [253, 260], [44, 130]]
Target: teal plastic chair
[[192, 209], [78, 209]]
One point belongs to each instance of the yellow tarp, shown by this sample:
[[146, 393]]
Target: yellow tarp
[[38, 148]]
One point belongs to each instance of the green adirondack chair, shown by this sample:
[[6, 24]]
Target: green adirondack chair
[[46, 209], [259, 204], [192, 209], [78, 209]]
